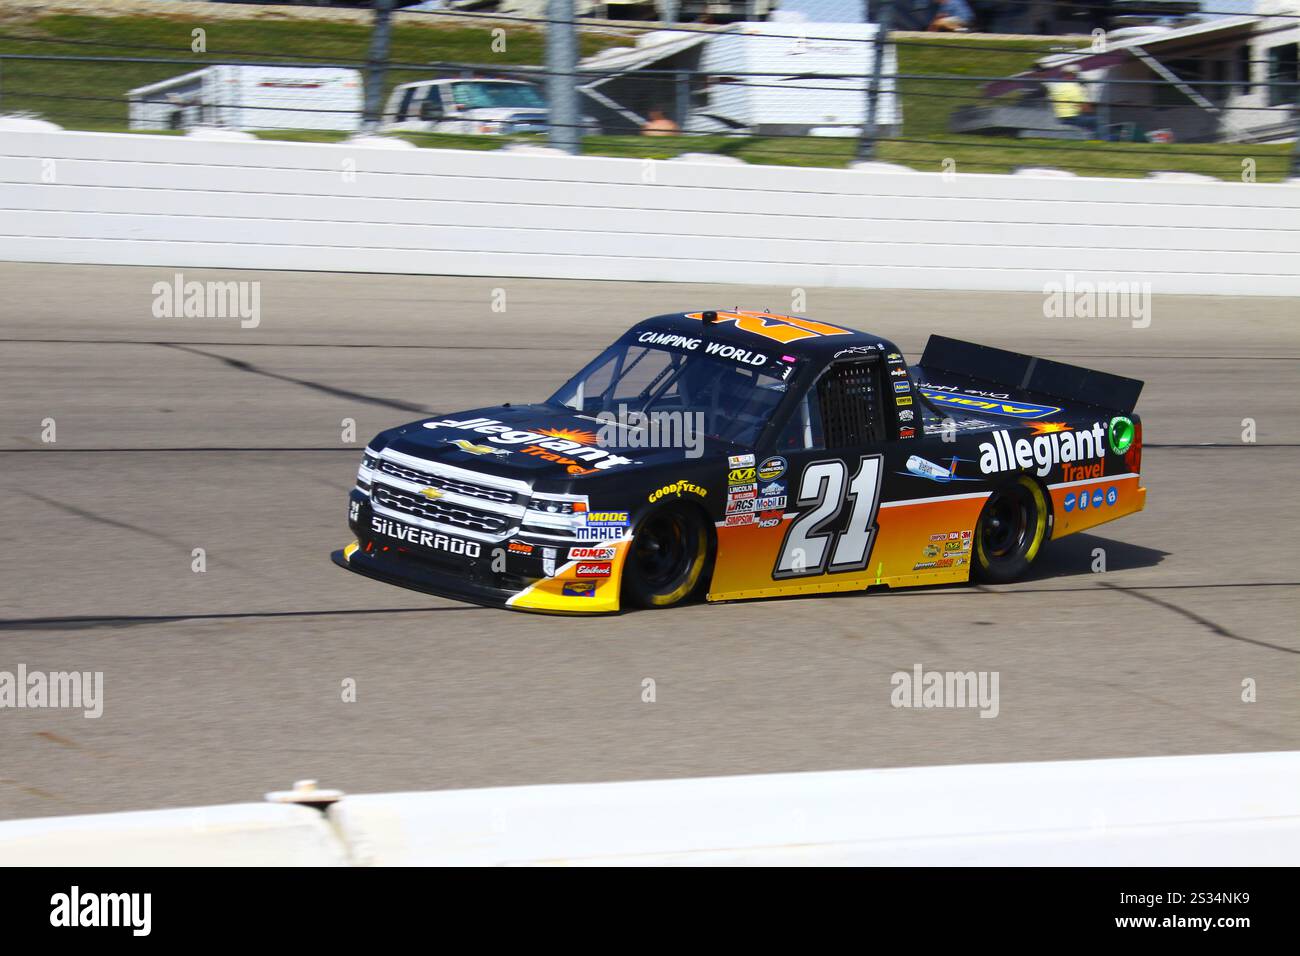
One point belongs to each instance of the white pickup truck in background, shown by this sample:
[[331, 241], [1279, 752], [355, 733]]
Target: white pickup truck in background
[[470, 105]]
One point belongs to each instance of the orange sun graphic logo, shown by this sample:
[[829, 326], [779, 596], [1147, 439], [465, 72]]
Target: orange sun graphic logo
[[1046, 428], [570, 434]]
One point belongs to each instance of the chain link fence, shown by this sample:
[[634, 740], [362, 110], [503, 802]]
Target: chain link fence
[[1219, 97]]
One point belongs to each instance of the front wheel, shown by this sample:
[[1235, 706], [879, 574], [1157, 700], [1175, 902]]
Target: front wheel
[[1010, 531], [666, 562]]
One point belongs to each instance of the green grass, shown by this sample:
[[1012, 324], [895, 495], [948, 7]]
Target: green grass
[[92, 95]]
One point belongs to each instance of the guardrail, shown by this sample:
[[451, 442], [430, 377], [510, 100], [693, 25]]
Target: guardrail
[[220, 202], [1224, 810]]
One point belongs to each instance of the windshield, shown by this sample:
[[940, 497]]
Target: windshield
[[473, 96], [733, 401]]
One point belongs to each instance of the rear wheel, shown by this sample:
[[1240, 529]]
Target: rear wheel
[[1010, 532], [666, 563]]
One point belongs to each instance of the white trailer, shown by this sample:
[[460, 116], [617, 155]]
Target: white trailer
[[814, 83], [780, 78], [249, 97]]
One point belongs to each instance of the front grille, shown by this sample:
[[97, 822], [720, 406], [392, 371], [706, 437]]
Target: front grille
[[444, 483], [442, 512]]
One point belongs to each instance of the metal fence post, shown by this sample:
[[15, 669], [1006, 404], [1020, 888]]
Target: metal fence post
[[376, 64], [867, 143], [1295, 151], [561, 76]]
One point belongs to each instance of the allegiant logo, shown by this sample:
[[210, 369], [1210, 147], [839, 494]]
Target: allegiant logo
[[505, 435], [1042, 452]]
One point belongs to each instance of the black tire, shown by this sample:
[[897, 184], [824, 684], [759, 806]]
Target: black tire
[[1010, 532], [666, 563]]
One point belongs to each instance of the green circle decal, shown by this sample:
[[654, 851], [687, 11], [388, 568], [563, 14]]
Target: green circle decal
[[1121, 434]]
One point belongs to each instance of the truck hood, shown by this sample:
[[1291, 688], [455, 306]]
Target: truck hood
[[529, 442]]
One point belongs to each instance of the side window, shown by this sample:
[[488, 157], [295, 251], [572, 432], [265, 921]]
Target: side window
[[1284, 74], [848, 397], [431, 105], [404, 106], [804, 429]]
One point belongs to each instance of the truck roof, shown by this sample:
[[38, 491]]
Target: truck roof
[[770, 331]]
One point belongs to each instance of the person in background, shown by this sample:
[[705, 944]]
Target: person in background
[[659, 125], [1070, 101], [953, 16]]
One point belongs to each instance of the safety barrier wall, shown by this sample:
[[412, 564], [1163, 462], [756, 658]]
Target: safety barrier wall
[[1236, 809], [200, 202]]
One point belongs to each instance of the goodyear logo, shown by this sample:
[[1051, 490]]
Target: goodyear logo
[[678, 488], [991, 406]]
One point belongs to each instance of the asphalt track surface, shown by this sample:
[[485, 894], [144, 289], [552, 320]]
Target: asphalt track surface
[[189, 433]]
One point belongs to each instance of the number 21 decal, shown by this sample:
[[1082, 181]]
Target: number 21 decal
[[809, 550]]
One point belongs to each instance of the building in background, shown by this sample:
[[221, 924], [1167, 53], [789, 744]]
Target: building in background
[[1230, 79]]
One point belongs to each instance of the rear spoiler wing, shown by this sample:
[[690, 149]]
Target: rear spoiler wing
[[1070, 383]]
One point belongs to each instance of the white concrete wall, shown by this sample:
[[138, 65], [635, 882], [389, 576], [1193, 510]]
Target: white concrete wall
[[1228, 810], [172, 201]]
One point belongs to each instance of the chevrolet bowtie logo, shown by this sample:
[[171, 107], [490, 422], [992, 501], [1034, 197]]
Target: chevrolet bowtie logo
[[432, 492]]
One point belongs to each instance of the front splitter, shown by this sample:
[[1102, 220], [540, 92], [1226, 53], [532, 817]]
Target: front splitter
[[427, 580]]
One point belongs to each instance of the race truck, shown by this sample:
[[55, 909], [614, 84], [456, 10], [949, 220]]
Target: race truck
[[730, 455]]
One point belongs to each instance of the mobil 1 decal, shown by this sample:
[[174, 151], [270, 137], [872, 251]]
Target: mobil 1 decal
[[827, 496]]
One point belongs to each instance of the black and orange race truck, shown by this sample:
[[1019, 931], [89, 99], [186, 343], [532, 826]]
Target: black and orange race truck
[[731, 455]]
